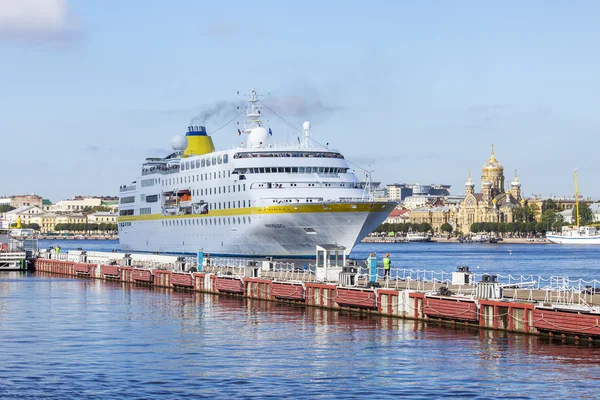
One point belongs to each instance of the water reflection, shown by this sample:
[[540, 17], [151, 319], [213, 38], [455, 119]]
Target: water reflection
[[65, 337]]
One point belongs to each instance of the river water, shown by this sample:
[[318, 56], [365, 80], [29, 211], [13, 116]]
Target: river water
[[75, 338]]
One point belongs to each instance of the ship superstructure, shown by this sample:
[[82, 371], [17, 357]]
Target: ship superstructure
[[259, 199]]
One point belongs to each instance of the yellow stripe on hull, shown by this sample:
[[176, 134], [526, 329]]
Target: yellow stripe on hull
[[278, 209]]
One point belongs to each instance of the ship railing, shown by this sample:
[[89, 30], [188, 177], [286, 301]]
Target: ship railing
[[13, 255], [162, 171], [127, 188], [228, 262], [364, 199], [293, 274]]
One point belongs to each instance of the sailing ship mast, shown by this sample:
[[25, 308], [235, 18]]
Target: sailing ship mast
[[576, 197]]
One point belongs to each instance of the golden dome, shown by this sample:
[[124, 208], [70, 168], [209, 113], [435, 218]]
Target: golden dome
[[492, 165]]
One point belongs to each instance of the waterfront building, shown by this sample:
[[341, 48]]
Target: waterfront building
[[398, 216], [73, 218], [24, 212], [46, 221], [434, 216], [414, 202], [18, 201], [400, 191], [563, 203], [47, 205], [493, 203], [80, 203], [102, 217]]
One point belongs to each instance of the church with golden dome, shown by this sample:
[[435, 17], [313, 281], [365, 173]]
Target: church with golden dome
[[494, 203]]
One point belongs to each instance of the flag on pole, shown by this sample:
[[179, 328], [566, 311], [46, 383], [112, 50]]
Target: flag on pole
[[239, 132], [270, 132]]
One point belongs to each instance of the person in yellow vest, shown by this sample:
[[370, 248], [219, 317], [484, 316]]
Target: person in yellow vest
[[387, 263]]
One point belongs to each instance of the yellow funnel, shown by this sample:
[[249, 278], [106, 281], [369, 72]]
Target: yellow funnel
[[198, 142]]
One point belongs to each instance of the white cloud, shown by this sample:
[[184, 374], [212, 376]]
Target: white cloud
[[37, 20]]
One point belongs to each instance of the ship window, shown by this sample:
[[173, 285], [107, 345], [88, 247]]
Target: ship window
[[244, 203], [203, 162], [198, 163], [262, 170], [229, 173], [294, 170], [220, 160], [239, 220], [208, 162], [193, 164], [300, 170], [239, 204], [225, 158], [239, 188], [219, 189], [219, 221], [228, 204], [244, 187], [320, 170], [280, 169], [210, 191], [219, 174], [249, 220], [214, 161], [244, 219]]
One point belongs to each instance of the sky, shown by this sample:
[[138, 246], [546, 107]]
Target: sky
[[417, 91]]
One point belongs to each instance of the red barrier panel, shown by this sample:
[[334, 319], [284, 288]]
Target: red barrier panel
[[229, 285], [182, 279], [322, 295], [110, 271], [549, 320], [450, 308], [257, 288], [142, 275], [81, 269], [127, 274], [287, 291], [359, 298], [391, 301], [162, 278]]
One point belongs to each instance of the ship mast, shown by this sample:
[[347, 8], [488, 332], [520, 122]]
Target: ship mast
[[576, 197], [253, 113]]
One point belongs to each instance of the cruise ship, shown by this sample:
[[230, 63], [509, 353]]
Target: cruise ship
[[261, 198]]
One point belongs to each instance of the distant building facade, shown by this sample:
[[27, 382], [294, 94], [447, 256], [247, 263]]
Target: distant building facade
[[400, 191], [22, 200], [398, 216], [435, 216]]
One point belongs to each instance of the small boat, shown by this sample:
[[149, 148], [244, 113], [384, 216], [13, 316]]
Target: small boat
[[575, 234], [417, 237], [481, 238]]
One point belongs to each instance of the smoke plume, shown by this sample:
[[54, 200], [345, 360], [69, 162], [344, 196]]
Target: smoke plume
[[217, 111]]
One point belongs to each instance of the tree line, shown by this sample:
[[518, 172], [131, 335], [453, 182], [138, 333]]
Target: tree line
[[413, 227]]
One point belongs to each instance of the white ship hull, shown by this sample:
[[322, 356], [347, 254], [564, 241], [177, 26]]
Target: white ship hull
[[559, 239], [278, 231]]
